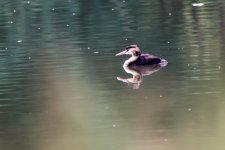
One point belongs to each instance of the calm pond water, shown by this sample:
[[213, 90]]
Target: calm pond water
[[58, 75]]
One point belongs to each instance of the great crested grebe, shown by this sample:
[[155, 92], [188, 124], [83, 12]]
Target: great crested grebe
[[139, 59]]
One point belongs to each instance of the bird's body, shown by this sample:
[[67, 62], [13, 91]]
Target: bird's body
[[145, 59]]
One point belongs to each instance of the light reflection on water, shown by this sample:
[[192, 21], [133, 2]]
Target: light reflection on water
[[59, 89]]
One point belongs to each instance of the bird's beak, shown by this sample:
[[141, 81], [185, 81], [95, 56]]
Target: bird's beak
[[121, 53]]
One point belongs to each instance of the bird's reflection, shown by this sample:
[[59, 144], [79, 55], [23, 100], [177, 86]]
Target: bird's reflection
[[138, 72]]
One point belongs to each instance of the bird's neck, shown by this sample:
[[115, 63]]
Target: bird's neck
[[130, 60]]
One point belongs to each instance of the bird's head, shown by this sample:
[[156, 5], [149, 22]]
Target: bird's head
[[130, 50]]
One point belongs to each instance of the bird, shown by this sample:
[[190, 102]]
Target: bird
[[139, 59]]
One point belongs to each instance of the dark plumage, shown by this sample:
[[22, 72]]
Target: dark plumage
[[146, 59]]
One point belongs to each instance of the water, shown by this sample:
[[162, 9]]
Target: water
[[58, 75]]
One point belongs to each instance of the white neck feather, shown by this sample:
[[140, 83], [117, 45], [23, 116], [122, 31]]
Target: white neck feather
[[130, 60]]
